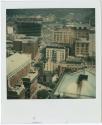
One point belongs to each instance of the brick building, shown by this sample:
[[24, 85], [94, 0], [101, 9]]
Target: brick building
[[27, 45], [18, 65]]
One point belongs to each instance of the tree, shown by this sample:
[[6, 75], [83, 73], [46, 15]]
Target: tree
[[42, 94]]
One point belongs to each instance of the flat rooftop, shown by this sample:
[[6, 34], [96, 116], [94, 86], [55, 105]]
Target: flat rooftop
[[56, 47], [68, 86], [31, 76], [27, 39], [82, 40], [16, 61]]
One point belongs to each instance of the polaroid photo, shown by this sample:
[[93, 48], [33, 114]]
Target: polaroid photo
[[51, 61]]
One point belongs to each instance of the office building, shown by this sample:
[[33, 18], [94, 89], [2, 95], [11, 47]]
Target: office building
[[29, 26], [82, 48], [59, 34]]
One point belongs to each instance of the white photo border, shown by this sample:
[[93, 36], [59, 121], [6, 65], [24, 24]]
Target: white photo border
[[51, 111]]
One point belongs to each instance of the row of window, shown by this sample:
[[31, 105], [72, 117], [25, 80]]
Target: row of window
[[82, 45]]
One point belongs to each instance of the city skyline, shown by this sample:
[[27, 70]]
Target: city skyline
[[55, 49], [79, 14]]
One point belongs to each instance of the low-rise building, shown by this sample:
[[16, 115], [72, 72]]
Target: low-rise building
[[18, 65], [65, 34], [28, 80]]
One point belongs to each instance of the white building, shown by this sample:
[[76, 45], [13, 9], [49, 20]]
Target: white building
[[56, 54], [10, 30], [50, 66], [59, 34]]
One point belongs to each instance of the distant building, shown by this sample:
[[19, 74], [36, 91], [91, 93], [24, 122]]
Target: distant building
[[59, 34], [82, 48], [49, 18], [26, 45], [18, 65], [82, 33], [29, 26], [82, 30], [65, 34], [10, 30]]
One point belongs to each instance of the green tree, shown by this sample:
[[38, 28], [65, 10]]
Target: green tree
[[42, 94]]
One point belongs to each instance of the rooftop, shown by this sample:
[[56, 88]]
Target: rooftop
[[58, 26], [31, 76], [16, 61], [82, 40], [71, 59], [18, 89], [77, 25], [57, 46], [27, 39], [9, 41], [29, 20], [68, 86]]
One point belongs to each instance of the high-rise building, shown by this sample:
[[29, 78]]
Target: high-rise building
[[56, 53]]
